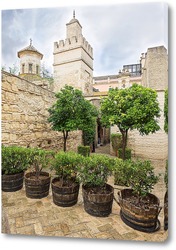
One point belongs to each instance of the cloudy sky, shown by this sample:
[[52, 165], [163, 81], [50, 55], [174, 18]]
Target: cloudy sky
[[118, 33]]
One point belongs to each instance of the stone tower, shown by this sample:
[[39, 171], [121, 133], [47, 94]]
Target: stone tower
[[30, 62], [73, 60], [155, 68]]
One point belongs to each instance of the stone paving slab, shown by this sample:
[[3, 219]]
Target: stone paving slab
[[41, 217]]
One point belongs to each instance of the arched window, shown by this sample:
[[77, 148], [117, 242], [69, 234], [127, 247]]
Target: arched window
[[123, 83], [37, 69], [23, 65], [30, 68]]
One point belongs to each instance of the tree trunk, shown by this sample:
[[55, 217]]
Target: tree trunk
[[65, 134], [124, 142]]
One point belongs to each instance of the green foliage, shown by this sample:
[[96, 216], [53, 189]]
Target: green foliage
[[121, 172], [127, 153], [66, 165], [15, 159], [141, 177], [95, 170], [166, 175], [88, 134], [166, 111], [116, 140], [3, 67], [45, 72], [40, 158], [84, 150], [14, 69], [71, 111], [136, 107]]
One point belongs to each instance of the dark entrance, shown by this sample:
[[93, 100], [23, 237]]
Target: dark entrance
[[99, 132]]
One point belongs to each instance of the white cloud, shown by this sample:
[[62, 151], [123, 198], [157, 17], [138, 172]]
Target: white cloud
[[118, 33]]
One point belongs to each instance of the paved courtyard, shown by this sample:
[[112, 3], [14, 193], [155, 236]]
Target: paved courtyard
[[25, 216]]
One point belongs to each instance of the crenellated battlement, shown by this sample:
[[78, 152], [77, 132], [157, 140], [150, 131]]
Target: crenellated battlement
[[71, 43]]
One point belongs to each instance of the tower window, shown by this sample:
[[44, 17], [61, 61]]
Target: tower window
[[37, 69], [123, 84], [23, 65], [30, 68]]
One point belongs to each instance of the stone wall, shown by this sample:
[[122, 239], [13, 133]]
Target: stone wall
[[24, 116]]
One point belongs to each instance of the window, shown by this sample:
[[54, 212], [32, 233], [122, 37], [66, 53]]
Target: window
[[37, 69], [23, 65], [123, 84], [134, 69], [30, 68]]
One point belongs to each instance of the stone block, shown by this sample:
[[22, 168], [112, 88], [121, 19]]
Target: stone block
[[16, 117], [13, 137], [5, 137], [14, 87], [6, 117]]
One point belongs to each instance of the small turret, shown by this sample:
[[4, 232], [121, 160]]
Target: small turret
[[74, 28], [30, 61]]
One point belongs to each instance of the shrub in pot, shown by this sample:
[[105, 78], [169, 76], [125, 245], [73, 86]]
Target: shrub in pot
[[37, 181], [166, 198], [139, 207], [65, 186], [15, 160], [127, 153], [97, 193], [119, 167], [84, 150]]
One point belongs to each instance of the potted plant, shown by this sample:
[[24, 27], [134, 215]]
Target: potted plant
[[84, 150], [15, 160], [65, 186], [127, 153], [166, 198], [97, 193], [37, 181], [119, 166], [139, 207]]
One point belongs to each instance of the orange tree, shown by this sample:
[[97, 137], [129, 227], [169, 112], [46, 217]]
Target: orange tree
[[135, 107], [71, 112]]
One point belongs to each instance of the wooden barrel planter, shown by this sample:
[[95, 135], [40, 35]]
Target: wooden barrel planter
[[64, 196], [12, 182], [166, 210], [99, 205], [37, 188], [139, 218]]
